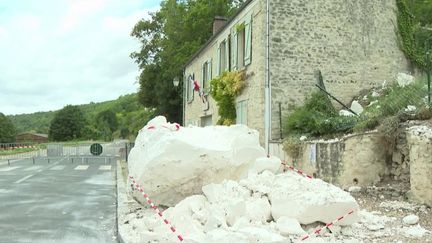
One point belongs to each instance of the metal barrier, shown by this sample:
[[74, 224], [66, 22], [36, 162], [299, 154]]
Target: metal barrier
[[58, 150]]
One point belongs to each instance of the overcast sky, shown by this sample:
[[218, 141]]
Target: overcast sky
[[59, 52]]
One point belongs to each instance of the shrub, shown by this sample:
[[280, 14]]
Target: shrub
[[224, 90], [389, 130], [292, 146], [317, 117]]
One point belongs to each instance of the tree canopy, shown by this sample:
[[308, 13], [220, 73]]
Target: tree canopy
[[68, 124], [7, 130], [168, 39]]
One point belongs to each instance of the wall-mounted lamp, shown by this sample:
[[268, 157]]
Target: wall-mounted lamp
[[176, 81]]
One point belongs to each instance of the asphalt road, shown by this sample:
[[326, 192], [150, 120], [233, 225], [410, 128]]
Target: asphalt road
[[58, 201]]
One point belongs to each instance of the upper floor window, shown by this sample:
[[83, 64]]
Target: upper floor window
[[206, 76], [223, 57], [241, 44], [190, 87]]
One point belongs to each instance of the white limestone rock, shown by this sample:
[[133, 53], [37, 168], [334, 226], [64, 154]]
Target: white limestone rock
[[354, 189], [272, 164], [306, 200], [288, 226], [404, 79], [258, 210], [222, 235], [261, 234], [410, 108], [173, 162], [415, 231], [345, 113], [411, 219], [356, 107]]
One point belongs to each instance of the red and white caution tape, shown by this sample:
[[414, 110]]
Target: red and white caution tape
[[172, 127], [296, 170], [318, 231], [154, 207]]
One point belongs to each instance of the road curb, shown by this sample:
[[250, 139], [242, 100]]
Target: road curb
[[121, 202]]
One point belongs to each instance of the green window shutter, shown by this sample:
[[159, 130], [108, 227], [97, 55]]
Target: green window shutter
[[203, 74], [219, 67], [248, 40], [234, 49], [244, 110], [209, 70], [238, 113], [227, 59]]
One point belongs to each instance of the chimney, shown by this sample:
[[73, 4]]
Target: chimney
[[218, 23]]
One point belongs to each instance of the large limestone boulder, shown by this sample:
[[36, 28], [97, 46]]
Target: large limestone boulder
[[173, 162], [306, 200]]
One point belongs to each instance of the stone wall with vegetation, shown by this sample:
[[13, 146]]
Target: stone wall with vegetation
[[353, 43], [352, 160], [367, 159]]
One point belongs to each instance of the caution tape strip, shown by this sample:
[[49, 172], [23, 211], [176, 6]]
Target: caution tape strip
[[318, 231], [285, 165], [154, 207]]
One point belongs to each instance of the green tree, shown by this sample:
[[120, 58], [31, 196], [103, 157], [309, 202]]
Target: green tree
[[124, 132], [7, 130], [109, 118], [68, 124], [168, 40]]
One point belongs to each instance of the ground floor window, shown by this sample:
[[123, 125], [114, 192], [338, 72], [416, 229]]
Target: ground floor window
[[206, 121], [241, 111]]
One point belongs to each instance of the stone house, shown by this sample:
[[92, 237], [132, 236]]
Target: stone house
[[280, 47]]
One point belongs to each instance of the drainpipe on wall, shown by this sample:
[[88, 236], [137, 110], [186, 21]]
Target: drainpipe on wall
[[184, 92], [267, 89]]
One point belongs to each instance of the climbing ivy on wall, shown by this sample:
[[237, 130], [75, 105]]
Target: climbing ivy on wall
[[225, 89], [408, 29]]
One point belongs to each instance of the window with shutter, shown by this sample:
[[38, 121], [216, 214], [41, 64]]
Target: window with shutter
[[190, 87], [234, 49], [241, 112], [227, 55], [206, 76], [222, 58], [248, 41], [241, 48]]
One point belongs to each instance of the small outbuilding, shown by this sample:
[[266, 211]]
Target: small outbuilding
[[31, 137]]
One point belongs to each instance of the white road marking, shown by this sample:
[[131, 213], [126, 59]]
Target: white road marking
[[23, 179], [81, 167], [105, 167], [58, 167], [38, 171], [36, 167], [9, 168]]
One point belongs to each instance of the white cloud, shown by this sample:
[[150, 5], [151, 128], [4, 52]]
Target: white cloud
[[76, 55]]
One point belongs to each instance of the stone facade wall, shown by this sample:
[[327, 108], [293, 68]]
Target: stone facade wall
[[400, 160], [420, 144], [352, 42], [352, 160], [254, 91]]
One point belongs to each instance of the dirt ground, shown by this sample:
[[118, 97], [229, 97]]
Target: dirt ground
[[382, 209]]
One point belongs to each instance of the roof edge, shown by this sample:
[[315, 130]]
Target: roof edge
[[230, 20]]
